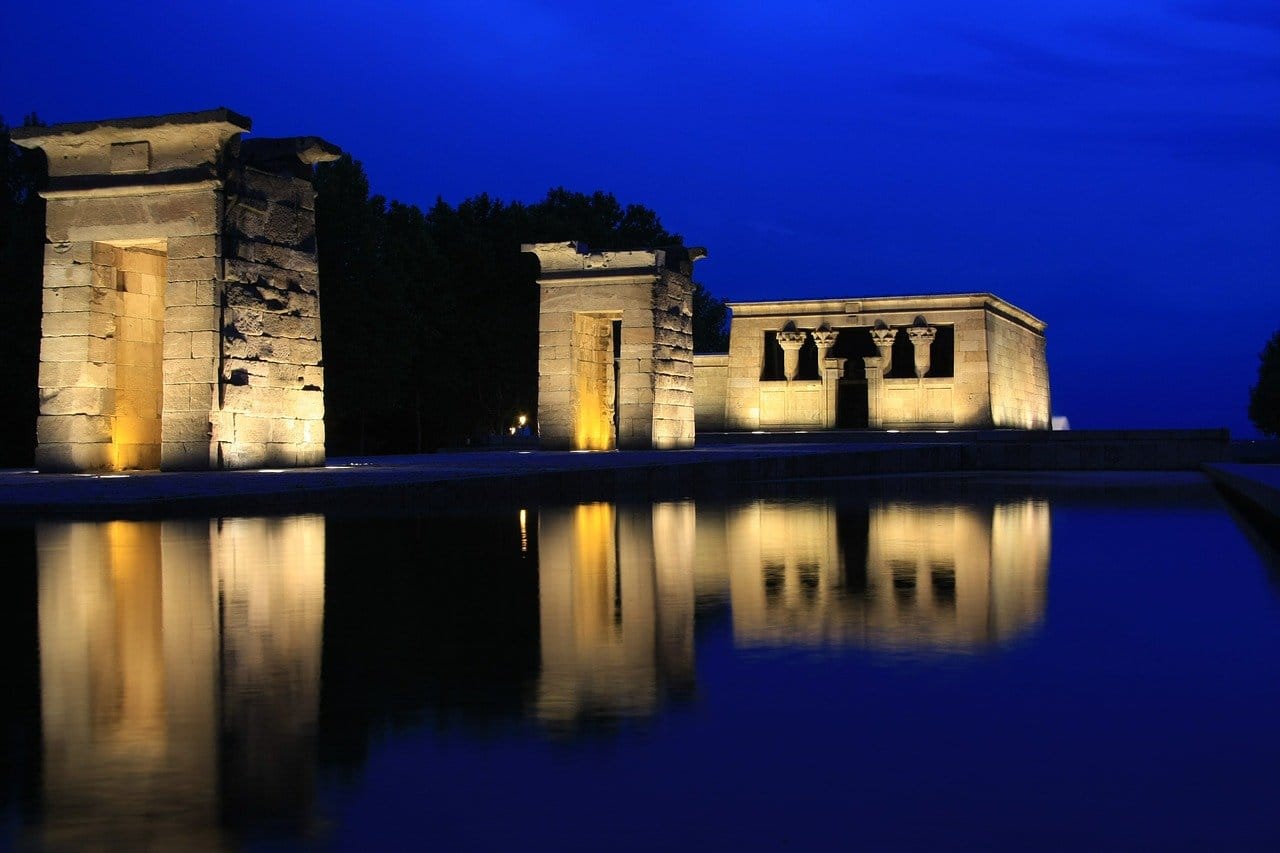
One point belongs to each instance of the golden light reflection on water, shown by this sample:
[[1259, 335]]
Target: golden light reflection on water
[[942, 578], [618, 587], [179, 667], [180, 660], [615, 606]]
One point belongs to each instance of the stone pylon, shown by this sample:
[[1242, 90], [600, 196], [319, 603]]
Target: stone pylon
[[181, 296]]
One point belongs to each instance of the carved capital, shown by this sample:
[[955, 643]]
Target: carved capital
[[791, 340], [825, 338], [884, 337], [922, 334]]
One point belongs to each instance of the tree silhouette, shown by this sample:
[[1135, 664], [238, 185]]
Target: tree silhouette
[[710, 321], [22, 172], [1264, 398]]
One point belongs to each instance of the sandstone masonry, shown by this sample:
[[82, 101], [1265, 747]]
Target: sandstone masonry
[[181, 321]]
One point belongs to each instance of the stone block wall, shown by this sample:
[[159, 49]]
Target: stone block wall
[[798, 404], [710, 384], [1019, 375], [107, 262], [673, 405], [271, 373], [181, 308]]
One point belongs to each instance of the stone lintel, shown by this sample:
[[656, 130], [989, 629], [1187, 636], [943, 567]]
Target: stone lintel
[[34, 137], [572, 260], [168, 149]]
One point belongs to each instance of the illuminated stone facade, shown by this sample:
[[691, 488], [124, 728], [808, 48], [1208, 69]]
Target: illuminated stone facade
[[965, 361], [615, 347], [181, 321]]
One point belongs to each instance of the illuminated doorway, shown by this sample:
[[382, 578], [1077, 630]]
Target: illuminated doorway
[[132, 277]]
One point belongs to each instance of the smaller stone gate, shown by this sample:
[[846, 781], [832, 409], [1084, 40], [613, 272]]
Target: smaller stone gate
[[615, 347]]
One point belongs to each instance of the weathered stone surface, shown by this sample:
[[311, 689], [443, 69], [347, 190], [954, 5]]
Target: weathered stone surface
[[208, 260]]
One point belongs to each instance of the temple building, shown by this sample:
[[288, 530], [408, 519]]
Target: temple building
[[181, 325], [954, 361]]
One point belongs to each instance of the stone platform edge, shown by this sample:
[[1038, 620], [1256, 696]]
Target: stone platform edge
[[444, 480]]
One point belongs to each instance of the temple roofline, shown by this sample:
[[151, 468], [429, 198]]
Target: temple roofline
[[794, 308]]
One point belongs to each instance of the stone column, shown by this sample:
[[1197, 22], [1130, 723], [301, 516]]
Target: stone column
[[922, 339], [883, 337], [832, 370], [791, 341], [875, 389]]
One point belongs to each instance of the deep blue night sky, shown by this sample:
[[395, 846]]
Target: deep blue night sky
[[1112, 166]]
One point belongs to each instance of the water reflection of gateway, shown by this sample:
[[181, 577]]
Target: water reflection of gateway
[[616, 607], [180, 668], [896, 575]]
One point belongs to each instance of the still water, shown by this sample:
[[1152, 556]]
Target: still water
[[990, 664]]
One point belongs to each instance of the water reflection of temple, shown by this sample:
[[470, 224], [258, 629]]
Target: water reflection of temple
[[179, 670], [618, 586], [894, 575], [616, 606]]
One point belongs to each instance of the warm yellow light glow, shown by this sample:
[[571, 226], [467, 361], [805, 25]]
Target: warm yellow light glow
[[615, 589], [524, 532], [522, 420], [156, 641], [938, 577]]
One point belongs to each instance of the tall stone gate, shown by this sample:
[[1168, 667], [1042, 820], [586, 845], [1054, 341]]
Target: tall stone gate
[[181, 321], [615, 347]]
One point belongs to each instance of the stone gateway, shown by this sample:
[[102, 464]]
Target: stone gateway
[[615, 347], [181, 324]]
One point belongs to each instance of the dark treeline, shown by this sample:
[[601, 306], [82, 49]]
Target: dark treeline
[[22, 172], [430, 318]]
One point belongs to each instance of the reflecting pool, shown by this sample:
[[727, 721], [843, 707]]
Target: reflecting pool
[[971, 663]]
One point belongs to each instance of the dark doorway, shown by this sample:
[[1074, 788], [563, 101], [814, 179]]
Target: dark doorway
[[617, 377], [853, 344]]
